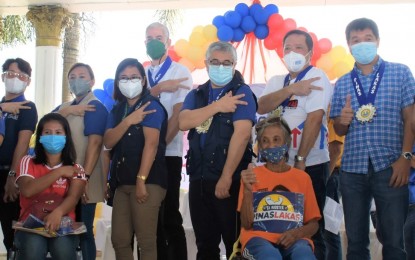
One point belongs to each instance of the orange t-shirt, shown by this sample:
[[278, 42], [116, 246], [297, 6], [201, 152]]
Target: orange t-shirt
[[294, 180]]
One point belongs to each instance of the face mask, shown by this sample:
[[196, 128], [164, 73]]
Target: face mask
[[79, 87], [364, 52], [294, 61], [53, 144], [220, 75], [15, 85], [131, 89], [275, 154], [155, 49]]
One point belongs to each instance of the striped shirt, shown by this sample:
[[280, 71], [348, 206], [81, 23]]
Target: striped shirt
[[379, 140]]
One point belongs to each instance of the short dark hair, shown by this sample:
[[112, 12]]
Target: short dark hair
[[129, 62], [308, 39], [361, 24], [21, 64], [79, 64], [68, 155]]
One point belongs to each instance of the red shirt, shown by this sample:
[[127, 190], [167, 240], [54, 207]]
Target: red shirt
[[61, 186]]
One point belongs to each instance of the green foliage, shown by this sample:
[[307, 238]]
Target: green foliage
[[15, 29]]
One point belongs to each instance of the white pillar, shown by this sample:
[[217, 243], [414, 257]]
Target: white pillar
[[48, 91], [49, 21]]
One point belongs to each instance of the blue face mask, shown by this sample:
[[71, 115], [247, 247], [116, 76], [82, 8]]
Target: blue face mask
[[79, 87], [364, 52], [220, 75], [275, 154], [53, 144]]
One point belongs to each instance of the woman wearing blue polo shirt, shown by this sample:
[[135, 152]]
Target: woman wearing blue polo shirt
[[136, 133], [87, 118], [2, 128]]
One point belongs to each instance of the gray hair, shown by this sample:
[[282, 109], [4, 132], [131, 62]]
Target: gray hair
[[222, 47], [159, 25], [273, 121]]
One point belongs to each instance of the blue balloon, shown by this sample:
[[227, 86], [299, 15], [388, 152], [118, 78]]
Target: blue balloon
[[100, 94], [109, 86], [270, 10], [238, 35], [225, 33], [109, 103], [260, 16], [254, 8], [218, 21], [242, 9], [233, 19], [261, 32], [248, 24]]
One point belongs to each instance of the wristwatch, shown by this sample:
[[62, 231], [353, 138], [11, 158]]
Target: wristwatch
[[11, 174], [298, 158], [142, 177], [407, 155]]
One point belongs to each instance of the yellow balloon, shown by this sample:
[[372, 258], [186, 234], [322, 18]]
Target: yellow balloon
[[194, 53], [210, 32], [198, 28], [337, 53], [340, 68], [200, 64], [181, 47], [349, 60], [197, 39], [187, 63], [325, 62]]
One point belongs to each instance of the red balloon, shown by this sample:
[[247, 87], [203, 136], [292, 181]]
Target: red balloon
[[146, 64], [172, 54], [314, 37], [280, 52], [271, 42], [275, 21], [289, 24], [316, 52], [325, 45]]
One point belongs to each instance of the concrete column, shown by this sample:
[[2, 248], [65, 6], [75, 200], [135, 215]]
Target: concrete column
[[48, 21]]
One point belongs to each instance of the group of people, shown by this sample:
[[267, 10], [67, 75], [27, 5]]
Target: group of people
[[137, 147]]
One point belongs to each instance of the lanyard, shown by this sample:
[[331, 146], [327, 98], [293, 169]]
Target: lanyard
[[159, 75], [299, 77], [360, 94]]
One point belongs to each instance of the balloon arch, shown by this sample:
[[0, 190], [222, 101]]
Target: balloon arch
[[255, 28]]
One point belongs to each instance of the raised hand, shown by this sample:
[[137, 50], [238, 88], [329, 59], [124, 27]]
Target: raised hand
[[347, 113], [138, 116], [304, 87], [77, 110], [228, 103], [248, 177], [172, 85], [14, 107]]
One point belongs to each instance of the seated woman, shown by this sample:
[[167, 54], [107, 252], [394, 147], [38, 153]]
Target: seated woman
[[136, 133], [260, 237], [51, 171]]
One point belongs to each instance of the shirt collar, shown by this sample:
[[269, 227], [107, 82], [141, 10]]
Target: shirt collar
[[16, 99], [375, 67]]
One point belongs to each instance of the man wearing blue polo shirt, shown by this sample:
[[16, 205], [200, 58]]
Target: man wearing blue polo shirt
[[372, 106], [20, 118], [219, 114]]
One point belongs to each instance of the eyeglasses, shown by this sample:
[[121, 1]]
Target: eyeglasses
[[11, 74], [133, 79], [225, 63]]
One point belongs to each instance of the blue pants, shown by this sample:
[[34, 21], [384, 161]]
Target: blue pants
[[391, 207], [88, 247], [259, 248], [410, 233], [35, 247], [319, 174]]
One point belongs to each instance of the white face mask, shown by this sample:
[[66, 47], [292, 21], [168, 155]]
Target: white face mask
[[15, 85], [131, 89], [294, 61]]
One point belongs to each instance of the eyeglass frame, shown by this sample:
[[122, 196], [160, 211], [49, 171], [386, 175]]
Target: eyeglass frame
[[20, 75], [216, 62], [133, 79]]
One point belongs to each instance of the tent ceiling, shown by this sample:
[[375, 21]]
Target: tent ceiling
[[21, 6]]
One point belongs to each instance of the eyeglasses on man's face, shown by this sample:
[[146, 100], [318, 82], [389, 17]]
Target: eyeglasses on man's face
[[20, 75], [134, 79], [225, 63]]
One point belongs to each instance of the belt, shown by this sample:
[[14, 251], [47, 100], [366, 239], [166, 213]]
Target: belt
[[4, 167]]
